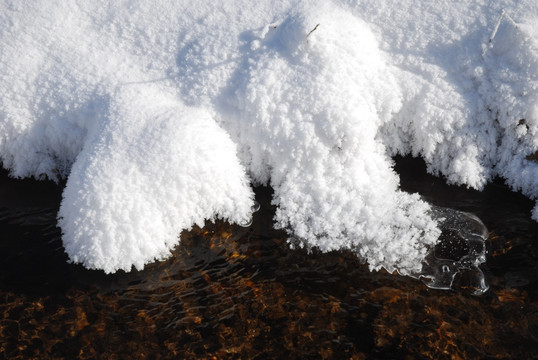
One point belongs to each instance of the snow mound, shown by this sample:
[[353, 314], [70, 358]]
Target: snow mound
[[161, 115], [154, 168], [308, 109]]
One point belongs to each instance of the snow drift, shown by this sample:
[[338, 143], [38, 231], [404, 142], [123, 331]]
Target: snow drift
[[162, 115]]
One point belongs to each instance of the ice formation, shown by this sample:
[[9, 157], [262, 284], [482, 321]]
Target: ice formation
[[163, 114], [461, 248]]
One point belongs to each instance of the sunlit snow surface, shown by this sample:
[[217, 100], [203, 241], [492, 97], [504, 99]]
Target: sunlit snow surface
[[163, 114]]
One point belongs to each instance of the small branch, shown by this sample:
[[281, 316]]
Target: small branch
[[311, 31], [503, 14]]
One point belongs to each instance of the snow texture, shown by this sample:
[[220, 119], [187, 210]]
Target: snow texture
[[164, 114]]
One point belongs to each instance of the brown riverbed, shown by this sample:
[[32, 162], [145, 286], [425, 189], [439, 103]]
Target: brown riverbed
[[241, 293]]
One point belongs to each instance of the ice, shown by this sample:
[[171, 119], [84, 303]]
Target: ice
[[460, 248], [247, 222], [166, 114]]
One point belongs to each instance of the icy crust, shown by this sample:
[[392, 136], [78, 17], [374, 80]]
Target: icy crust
[[161, 115]]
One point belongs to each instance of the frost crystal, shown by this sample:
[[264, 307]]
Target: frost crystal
[[163, 115]]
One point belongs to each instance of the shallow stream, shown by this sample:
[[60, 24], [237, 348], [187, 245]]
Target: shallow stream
[[240, 293]]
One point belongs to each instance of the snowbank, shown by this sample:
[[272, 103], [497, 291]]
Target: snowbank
[[148, 172], [162, 114]]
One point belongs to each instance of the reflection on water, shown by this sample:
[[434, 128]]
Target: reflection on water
[[240, 293]]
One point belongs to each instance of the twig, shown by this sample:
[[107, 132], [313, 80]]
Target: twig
[[311, 31], [503, 14]]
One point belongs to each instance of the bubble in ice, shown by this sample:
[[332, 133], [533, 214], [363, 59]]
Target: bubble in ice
[[248, 221], [255, 207], [460, 251], [245, 223]]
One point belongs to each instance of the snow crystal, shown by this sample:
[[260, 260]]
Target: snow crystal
[[163, 114], [307, 116], [145, 174]]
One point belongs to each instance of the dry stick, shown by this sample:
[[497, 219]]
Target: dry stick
[[503, 14], [311, 31]]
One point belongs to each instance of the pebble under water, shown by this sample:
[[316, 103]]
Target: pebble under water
[[230, 292]]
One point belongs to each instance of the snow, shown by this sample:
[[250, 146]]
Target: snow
[[164, 114], [145, 174]]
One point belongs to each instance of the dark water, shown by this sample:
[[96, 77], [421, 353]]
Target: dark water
[[240, 293]]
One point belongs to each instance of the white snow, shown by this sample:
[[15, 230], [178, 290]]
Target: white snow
[[163, 114]]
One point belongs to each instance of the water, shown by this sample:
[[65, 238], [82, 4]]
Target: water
[[234, 292]]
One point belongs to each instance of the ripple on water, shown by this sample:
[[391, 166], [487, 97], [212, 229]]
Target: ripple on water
[[233, 292]]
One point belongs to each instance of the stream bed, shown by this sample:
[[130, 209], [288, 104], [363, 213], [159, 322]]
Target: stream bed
[[230, 292]]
